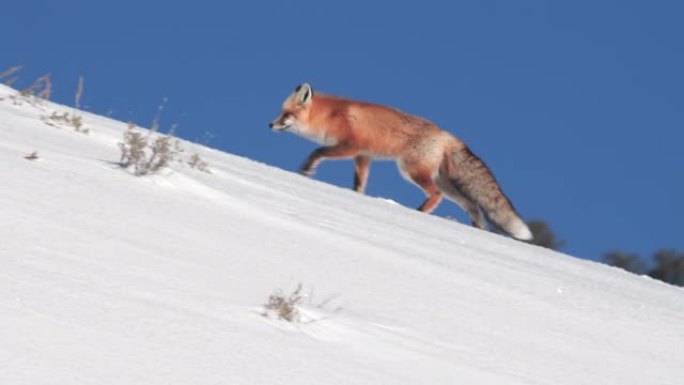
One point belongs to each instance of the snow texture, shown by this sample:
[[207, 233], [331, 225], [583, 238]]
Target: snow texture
[[108, 278]]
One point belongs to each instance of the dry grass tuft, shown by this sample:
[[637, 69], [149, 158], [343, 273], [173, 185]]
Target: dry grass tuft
[[79, 92], [32, 156], [65, 119], [41, 88], [9, 72], [196, 162], [285, 307]]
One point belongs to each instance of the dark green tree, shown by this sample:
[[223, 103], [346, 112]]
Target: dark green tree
[[630, 262], [669, 266], [544, 236]]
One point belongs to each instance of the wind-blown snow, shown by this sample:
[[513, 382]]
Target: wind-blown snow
[[108, 278]]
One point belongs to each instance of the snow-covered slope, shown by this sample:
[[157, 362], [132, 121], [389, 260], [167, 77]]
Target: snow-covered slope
[[108, 278]]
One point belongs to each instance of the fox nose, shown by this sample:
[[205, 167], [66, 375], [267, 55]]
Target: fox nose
[[270, 125]]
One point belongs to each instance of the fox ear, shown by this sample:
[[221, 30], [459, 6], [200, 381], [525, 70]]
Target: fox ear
[[304, 94]]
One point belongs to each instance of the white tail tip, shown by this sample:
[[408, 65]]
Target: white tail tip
[[520, 231]]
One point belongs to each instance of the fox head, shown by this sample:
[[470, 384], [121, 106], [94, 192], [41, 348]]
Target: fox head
[[295, 110]]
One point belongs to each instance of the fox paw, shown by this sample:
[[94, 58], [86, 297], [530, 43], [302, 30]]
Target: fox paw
[[307, 172]]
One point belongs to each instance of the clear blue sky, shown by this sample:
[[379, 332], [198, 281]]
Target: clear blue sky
[[577, 106]]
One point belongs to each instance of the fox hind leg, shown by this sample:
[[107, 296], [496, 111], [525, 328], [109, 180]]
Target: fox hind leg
[[432, 191], [470, 207]]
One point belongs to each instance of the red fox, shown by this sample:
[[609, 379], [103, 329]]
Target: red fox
[[428, 156]]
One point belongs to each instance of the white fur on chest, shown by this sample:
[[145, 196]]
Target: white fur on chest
[[318, 136]]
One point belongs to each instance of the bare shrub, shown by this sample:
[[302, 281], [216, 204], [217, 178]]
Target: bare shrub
[[162, 153], [133, 150], [152, 152], [285, 307], [147, 154]]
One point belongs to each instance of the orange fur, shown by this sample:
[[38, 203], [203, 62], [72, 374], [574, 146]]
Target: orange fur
[[424, 153]]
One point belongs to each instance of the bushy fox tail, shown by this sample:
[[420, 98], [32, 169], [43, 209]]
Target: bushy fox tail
[[465, 178]]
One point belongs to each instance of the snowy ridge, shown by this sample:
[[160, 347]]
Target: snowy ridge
[[108, 278]]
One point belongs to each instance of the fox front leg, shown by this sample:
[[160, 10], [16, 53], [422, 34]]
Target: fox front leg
[[361, 168], [337, 151]]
